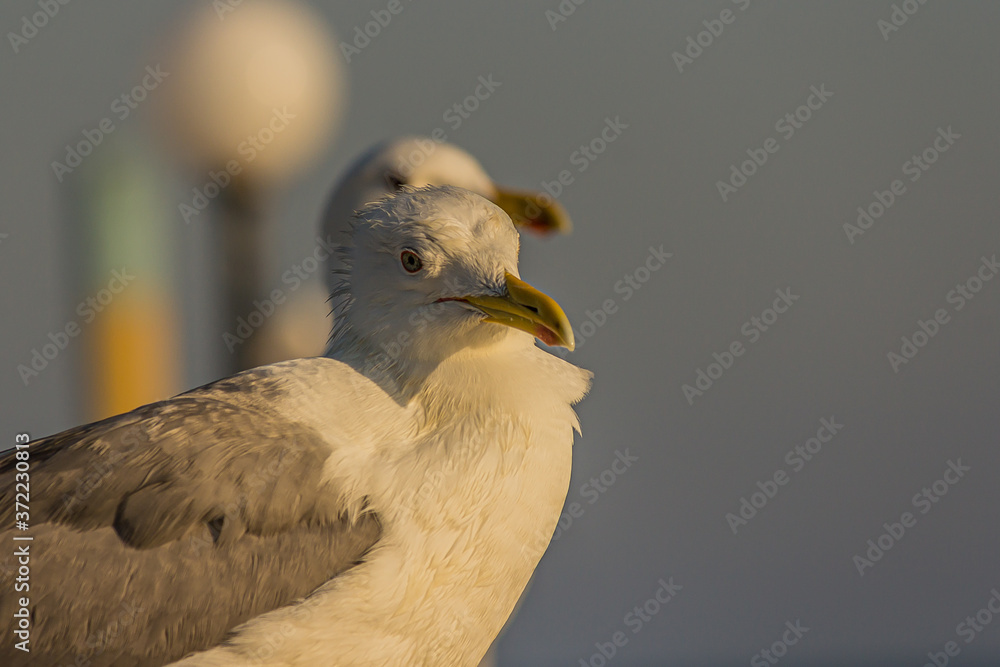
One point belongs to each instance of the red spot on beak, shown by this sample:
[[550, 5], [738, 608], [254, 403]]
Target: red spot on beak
[[546, 336], [538, 226]]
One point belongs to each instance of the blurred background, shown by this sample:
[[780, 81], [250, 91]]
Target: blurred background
[[793, 432]]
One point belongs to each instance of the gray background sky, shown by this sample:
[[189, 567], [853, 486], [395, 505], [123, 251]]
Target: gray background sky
[[656, 184]]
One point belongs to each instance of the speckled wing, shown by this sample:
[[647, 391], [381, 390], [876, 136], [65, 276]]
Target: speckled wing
[[159, 531]]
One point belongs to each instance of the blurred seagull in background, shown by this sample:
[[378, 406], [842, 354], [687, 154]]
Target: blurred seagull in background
[[420, 161], [382, 505]]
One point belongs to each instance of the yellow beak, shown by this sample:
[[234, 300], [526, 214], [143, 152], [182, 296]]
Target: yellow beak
[[527, 309], [533, 210]]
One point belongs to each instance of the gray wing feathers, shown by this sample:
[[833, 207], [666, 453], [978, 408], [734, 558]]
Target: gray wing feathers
[[158, 531]]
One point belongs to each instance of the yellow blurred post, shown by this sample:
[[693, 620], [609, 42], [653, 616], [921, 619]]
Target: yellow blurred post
[[129, 324]]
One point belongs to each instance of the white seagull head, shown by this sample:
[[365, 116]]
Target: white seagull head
[[420, 161], [432, 271]]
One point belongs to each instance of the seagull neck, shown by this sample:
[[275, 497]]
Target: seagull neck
[[402, 376]]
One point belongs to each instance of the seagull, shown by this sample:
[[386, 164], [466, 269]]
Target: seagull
[[384, 504], [420, 161]]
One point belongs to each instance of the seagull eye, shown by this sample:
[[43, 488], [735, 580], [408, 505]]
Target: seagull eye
[[411, 261], [393, 181]]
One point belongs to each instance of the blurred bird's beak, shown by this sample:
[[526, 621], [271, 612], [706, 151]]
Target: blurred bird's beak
[[527, 309], [536, 211]]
